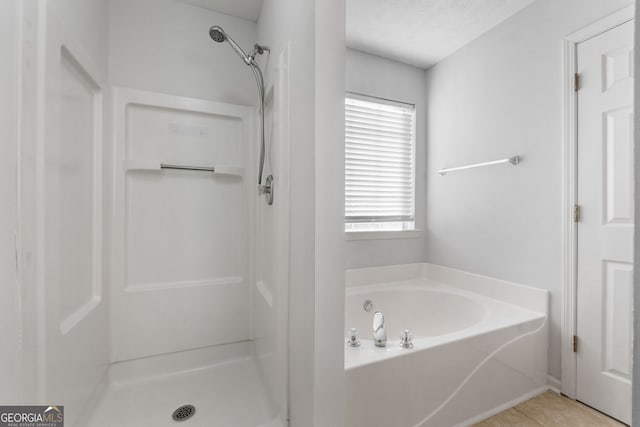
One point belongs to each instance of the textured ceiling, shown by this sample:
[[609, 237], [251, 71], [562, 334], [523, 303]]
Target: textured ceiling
[[247, 9], [422, 32]]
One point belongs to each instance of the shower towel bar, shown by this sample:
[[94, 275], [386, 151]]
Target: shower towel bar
[[514, 160], [154, 165]]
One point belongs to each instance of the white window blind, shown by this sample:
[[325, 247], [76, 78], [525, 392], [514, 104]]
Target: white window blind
[[379, 164]]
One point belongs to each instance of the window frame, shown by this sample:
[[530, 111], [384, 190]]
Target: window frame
[[395, 228]]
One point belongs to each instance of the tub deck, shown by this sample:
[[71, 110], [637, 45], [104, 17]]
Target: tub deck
[[486, 352]]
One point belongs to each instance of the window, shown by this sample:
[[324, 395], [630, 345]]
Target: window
[[379, 164]]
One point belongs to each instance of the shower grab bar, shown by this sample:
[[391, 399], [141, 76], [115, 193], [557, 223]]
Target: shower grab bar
[[188, 168], [154, 165], [514, 160]]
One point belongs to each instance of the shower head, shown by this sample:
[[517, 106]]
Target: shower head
[[218, 35]]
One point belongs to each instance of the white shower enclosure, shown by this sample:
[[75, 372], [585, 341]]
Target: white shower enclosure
[[123, 257]]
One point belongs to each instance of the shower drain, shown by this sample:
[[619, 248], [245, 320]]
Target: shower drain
[[184, 413]]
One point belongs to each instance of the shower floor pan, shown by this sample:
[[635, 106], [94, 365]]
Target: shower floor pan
[[222, 383]]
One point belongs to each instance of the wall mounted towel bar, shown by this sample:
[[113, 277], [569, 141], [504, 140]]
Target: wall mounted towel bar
[[514, 160], [154, 165]]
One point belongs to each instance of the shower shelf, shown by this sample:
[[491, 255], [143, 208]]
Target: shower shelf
[[157, 166]]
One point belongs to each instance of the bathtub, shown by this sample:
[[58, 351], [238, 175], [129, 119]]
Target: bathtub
[[479, 346]]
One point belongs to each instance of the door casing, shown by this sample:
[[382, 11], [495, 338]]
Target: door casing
[[569, 191]]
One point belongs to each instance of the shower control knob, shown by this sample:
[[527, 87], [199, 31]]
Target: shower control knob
[[353, 340], [406, 339]]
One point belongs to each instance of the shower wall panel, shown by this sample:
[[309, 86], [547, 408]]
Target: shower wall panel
[[65, 324], [270, 295], [181, 240], [9, 308]]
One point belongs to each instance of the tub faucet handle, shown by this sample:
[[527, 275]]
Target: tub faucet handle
[[406, 339], [379, 330], [353, 340]]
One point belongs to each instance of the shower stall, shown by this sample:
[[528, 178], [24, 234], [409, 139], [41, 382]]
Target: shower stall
[[171, 237], [199, 303], [154, 271]]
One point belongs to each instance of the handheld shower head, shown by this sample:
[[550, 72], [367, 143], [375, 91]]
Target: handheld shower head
[[218, 35]]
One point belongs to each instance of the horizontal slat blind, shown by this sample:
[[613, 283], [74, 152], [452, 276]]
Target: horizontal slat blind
[[379, 161]]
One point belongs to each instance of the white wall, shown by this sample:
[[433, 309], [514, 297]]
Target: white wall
[[9, 84], [636, 276], [282, 21], [316, 296], [329, 389], [501, 95], [384, 78], [164, 46]]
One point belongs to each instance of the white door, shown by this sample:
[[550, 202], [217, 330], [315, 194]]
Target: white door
[[605, 229]]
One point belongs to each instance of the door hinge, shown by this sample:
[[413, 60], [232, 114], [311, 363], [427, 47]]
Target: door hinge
[[575, 343], [576, 213], [576, 82]]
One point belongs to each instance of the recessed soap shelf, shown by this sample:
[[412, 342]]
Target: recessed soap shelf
[[158, 166]]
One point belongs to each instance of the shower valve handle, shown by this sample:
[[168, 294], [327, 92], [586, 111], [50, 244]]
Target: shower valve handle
[[267, 189]]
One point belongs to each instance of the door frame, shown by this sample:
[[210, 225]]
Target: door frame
[[570, 191]]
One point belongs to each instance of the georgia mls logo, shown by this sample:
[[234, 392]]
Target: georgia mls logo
[[32, 416]]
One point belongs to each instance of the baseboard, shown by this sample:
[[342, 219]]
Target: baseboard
[[501, 408], [554, 384]]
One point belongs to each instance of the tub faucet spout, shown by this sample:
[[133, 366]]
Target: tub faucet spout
[[379, 330]]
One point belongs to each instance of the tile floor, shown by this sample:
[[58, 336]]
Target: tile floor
[[552, 410]]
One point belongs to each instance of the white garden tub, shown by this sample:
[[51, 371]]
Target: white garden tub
[[480, 346]]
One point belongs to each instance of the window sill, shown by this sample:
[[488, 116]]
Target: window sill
[[383, 235]]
